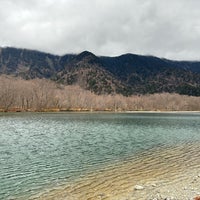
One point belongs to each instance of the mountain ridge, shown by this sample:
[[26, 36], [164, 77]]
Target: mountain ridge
[[126, 74]]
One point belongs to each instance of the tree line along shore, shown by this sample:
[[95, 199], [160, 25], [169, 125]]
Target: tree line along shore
[[17, 95]]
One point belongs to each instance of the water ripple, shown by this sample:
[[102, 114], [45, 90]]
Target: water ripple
[[42, 151]]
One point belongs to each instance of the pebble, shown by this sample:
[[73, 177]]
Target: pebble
[[185, 188], [159, 197], [194, 180], [101, 195], [138, 187]]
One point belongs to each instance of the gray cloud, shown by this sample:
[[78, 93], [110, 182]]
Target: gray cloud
[[168, 29]]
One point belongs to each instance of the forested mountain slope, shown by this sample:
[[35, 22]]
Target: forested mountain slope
[[126, 74]]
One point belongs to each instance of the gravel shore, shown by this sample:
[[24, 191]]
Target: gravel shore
[[165, 174], [185, 188]]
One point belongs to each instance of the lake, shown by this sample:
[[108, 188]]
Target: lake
[[39, 151]]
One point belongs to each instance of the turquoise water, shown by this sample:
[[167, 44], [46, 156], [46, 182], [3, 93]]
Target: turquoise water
[[44, 150]]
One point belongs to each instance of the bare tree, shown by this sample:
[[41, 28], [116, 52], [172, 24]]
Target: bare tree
[[7, 93], [45, 95]]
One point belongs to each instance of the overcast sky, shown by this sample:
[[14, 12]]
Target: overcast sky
[[164, 28]]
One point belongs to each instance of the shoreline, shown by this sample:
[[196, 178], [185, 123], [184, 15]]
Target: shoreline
[[170, 173], [102, 111]]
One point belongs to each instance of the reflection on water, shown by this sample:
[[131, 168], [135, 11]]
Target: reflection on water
[[40, 151]]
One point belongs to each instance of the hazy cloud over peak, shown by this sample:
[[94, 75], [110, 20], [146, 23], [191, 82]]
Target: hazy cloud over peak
[[163, 28]]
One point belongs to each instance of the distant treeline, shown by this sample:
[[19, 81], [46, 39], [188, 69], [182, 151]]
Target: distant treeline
[[43, 95]]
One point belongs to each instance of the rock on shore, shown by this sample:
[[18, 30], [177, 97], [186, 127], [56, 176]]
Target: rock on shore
[[186, 188]]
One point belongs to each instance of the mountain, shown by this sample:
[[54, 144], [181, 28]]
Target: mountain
[[87, 70], [148, 74], [126, 74]]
